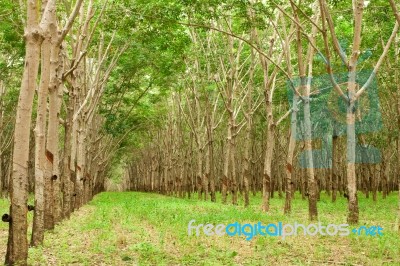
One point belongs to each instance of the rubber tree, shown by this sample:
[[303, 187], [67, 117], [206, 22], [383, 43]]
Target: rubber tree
[[354, 91], [17, 247], [46, 148]]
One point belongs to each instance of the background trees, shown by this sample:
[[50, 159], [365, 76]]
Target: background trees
[[269, 32]]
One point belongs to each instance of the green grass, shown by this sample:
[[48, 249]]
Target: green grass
[[128, 228]]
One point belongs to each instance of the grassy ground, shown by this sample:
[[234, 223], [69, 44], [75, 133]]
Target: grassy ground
[[150, 229]]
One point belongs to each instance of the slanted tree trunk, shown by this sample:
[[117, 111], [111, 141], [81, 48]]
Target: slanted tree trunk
[[40, 129], [17, 247], [52, 58]]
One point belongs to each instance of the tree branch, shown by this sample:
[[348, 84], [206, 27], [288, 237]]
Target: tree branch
[[70, 21], [378, 64]]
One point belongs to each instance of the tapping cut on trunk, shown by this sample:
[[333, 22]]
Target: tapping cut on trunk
[[49, 156]]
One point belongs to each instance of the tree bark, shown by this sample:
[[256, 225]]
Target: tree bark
[[17, 247], [40, 134], [290, 155]]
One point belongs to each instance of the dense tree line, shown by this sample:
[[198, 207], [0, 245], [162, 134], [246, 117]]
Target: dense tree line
[[256, 76], [74, 82]]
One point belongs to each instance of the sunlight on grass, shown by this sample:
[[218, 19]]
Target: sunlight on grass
[[148, 229]]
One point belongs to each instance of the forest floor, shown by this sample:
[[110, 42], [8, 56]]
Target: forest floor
[[130, 228]]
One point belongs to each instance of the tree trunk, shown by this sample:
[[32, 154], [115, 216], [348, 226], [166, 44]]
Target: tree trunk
[[225, 176], [233, 173], [55, 95], [398, 128], [351, 157], [351, 115], [40, 139], [17, 247], [289, 161], [67, 177], [210, 163], [312, 184], [267, 172], [334, 169]]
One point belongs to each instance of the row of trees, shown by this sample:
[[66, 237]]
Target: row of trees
[[262, 90], [92, 72], [52, 136]]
